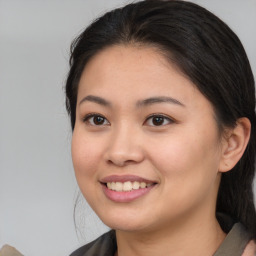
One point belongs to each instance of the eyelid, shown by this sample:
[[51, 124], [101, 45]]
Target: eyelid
[[106, 122], [91, 115], [165, 117]]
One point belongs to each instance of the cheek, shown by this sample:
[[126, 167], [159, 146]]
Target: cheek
[[187, 160], [84, 155], [189, 173], [172, 155]]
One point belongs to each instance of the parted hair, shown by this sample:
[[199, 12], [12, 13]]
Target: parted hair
[[208, 53]]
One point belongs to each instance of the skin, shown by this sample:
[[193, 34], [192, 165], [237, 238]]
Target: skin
[[184, 155]]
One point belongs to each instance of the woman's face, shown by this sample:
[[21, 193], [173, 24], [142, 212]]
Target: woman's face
[[145, 131]]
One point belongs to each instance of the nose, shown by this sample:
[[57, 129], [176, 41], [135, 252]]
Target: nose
[[124, 147]]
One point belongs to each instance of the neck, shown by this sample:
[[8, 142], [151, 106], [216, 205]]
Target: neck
[[185, 237]]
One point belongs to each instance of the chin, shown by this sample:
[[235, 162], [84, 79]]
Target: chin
[[124, 223]]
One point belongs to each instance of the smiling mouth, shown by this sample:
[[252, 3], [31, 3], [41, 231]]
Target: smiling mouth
[[127, 186]]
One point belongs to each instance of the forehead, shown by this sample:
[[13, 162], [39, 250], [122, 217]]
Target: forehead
[[130, 58], [132, 72], [125, 61]]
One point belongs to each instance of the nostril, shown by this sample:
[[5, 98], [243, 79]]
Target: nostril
[[117, 162], [123, 153], [120, 162]]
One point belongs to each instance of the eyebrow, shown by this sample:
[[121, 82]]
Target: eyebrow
[[140, 103], [161, 99], [95, 99]]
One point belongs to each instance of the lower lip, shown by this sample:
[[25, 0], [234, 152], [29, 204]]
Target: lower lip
[[125, 196]]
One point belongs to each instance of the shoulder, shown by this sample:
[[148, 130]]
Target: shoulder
[[237, 242], [8, 251], [250, 249], [105, 245]]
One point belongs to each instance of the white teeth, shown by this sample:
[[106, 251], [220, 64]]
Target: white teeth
[[113, 185], [127, 186], [119, 186], [143, 184], [135, 185]]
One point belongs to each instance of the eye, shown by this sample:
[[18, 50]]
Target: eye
[[96, 120], [158, 120]]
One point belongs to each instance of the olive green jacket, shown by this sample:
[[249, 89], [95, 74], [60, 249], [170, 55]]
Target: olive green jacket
[[233, 245]]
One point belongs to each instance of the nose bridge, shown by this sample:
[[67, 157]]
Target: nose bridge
[[124, 146]]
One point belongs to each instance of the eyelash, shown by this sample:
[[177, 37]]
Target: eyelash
[[90, 119], [87, 118], [163, 117]]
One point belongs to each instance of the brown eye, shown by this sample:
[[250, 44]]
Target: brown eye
[[158, 120], [96, 120]]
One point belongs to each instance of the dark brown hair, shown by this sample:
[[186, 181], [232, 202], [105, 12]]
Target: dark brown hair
[[208, 52]]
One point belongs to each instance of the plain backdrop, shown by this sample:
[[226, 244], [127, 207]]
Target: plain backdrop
[[37, 183]]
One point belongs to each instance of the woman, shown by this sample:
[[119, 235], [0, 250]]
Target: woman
[[162, 107]]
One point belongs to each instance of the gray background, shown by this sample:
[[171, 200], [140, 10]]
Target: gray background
[[37, 184]]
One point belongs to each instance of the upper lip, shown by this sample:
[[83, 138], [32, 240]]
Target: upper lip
[[124, 178]]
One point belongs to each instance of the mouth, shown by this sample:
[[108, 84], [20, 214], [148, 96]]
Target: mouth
[[126, 188]]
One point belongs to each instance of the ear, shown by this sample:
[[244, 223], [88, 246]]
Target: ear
[[234, 144]]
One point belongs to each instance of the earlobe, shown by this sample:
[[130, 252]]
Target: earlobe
[[235, 144]]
